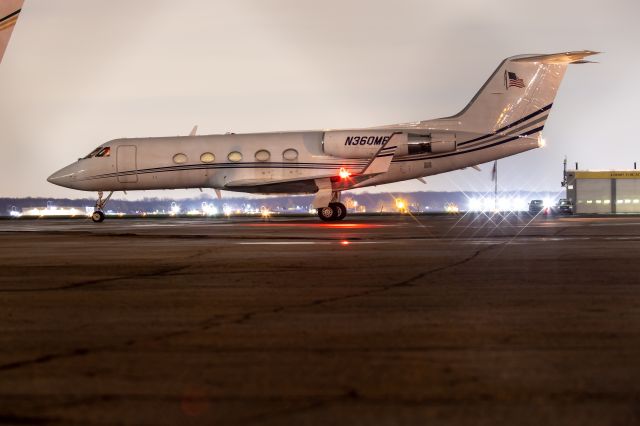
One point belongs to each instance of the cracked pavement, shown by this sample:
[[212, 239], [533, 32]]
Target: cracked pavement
[[377, 320]]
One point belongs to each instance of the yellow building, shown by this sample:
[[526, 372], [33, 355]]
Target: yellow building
[[604, 192]]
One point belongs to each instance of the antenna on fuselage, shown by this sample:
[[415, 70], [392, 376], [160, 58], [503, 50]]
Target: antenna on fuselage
[[194, 130]]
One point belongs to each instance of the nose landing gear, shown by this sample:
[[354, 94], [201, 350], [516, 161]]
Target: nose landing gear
[[97, 216], [98, 213]]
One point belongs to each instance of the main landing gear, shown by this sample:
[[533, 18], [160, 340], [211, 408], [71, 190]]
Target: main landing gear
[[335, 211], [98, 213]]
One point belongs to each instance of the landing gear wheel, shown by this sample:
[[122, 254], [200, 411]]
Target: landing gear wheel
[[341, 210], [326, 213], [97, 216]]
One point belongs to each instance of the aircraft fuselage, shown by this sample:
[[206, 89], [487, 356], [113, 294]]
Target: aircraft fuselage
[[207, 162]]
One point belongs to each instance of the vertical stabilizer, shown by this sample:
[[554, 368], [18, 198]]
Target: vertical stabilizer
[[522, 86]]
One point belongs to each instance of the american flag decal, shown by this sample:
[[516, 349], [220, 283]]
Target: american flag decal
[[512, 80]]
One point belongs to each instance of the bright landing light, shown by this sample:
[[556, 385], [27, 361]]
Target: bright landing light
[[344, 173]]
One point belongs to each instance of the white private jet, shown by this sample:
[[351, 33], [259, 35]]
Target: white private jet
[[504, 118]]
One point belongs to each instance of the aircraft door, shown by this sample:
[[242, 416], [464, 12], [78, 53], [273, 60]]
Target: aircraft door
[[126, 164]]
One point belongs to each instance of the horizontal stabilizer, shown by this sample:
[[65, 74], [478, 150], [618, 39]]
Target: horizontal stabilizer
[[559, 58]]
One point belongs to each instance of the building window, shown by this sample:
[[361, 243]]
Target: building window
[[607, 201], [263, 155], [180, 158], [207, 157], [570, 187], [589, 201], [234, 156], [290, 154]]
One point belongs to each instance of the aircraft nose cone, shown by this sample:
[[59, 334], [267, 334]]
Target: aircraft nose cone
[[64, 177], [53, 178]]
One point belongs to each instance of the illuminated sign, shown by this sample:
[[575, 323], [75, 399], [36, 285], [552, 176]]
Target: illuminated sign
[[631, 174]]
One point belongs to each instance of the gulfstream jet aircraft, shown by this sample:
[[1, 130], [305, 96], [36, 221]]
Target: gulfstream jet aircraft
[[504, 118]]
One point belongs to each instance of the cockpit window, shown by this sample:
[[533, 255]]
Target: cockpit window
[[94, 152], [101, 151], [104, 152]]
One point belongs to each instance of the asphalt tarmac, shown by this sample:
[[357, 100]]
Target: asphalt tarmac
[[375, 320]]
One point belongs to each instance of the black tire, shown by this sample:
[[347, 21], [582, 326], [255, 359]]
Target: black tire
[[337, 210], [342, 210], [97, 216], [326, 214]]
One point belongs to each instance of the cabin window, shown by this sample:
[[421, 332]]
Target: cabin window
[[290, 154], [180, 158], [234, 156], [263, 155], [207, 157]]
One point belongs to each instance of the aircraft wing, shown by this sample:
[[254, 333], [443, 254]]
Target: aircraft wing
[[322, 184], [382, 160], [260, 186]]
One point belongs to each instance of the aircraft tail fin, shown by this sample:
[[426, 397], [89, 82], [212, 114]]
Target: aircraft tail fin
[[521, 88], [9, 12]]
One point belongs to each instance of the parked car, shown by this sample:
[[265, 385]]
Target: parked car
[[536, 206], [563, 206]]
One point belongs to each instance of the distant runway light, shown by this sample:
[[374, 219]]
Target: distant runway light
[[504, 204], [519, 204], [475, 204]]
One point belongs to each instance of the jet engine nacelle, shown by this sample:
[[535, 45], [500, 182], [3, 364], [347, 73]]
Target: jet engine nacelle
[[432, 143], [359, 143]]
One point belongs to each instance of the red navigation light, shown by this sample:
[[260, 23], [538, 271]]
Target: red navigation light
[[344, 173]]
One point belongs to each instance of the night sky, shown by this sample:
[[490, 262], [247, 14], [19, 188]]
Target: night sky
[[79, 73]]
